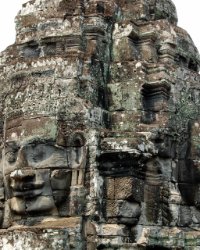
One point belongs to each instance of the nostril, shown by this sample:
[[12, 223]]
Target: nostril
[[22, 174], [17, 174]]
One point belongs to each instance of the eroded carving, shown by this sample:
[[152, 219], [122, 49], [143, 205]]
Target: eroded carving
[[38, 172]]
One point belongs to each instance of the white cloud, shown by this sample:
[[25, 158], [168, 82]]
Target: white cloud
[[189, 18], [8, 11]]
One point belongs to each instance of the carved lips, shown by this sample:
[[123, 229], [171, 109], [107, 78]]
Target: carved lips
[[27, 190]]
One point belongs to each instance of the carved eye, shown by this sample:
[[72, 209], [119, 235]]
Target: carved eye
[[11, 156], [38, 156], [36, 153]]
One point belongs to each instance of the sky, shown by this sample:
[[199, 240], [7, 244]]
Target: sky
[[188, 14]]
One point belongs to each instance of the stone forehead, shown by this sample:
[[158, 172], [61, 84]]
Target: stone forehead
[[21, 129], [24, 129]]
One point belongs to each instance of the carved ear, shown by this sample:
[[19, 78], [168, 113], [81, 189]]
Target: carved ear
[[77, 139], [77, 156], [67, 138]]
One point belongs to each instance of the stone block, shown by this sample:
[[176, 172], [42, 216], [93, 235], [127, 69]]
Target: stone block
[[152, 198], [185, 216], [112, 208], [185, 171], [188, 192], [123, 188], [111, 230], [123, 50], [48, 234], [129, 212], [110, 188], [128, 72], [125, 120]]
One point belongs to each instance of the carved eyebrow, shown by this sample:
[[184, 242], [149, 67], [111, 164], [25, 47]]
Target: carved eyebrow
[[36, 142], [33, 142], [16, 145]]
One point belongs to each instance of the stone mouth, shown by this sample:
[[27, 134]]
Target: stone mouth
[[28, 194], [28, 190]]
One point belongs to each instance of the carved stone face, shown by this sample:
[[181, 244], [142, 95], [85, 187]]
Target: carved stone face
[[37, 175], [37, 171]]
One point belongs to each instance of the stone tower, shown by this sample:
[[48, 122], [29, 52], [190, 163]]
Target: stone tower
[[99, 128]]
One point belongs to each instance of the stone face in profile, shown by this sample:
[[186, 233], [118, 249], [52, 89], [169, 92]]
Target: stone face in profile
[[100, 127]]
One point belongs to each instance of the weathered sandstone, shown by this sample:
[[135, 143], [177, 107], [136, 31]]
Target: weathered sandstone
[[99, 128]]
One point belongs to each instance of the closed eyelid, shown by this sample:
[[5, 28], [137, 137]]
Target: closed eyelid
[[11, 148]]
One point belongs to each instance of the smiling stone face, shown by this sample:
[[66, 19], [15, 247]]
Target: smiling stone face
[[38, 173]]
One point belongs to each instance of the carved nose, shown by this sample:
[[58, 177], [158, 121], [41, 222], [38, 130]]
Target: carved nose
[[22, 180], [21, 160], [20, 174]]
